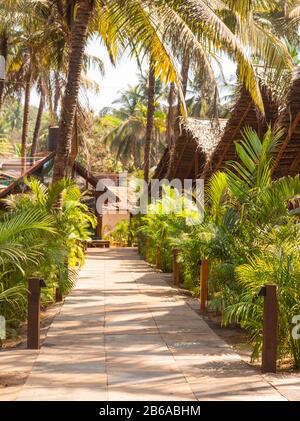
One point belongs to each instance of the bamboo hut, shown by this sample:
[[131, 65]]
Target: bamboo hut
[[288, 156], [192, 148], [244, 113]]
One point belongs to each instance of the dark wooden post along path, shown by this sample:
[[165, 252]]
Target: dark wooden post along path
[[176, 272], [203, 285], [33, 324], [270, 325]]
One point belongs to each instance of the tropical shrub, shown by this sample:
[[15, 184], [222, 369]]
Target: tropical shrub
[[124, 233], [163, 223], [41, 235], [249, 237]]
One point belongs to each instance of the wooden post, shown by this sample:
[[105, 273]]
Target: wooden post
[[99, 216], [157, 259], [99, 227], [139, 243], [147, 249], [203, 285], [176, 273], [58, 295], [130, 239], [270, 325], [33, 323]]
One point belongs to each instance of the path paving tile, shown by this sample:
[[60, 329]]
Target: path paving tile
[[124, 334]]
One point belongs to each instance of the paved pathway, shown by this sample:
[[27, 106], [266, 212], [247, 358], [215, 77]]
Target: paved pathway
[[125, 334]]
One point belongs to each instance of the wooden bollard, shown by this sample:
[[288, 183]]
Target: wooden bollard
[[147, 249], [58, 295], [176, 273], [33, 323], [270, 327], [203, 285], [157, 259], [99, 226]]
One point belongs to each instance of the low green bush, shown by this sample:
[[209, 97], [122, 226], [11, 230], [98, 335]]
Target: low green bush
[[41, 235]]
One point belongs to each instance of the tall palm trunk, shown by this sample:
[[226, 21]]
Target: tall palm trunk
[[50, 103], [75, 141], [3, 53], [150, 119], [171, 115], [69, 102], [184, 81], [37, 127], [25, 121], [57, 92]]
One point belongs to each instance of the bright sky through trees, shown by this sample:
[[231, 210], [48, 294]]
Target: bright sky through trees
[[118, 77]]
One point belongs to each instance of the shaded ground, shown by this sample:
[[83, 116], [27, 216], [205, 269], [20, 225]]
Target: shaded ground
[[16, 361], [232, 335], [125, 334]]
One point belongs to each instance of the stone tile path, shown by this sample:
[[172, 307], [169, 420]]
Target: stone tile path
[[125, 334]]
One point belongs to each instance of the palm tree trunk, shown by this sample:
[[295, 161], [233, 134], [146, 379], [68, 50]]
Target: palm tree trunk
[[25, 121], [150, 119], [37, 125], [50, 104], [3, 53], [184, 81], [69, 103], [171, 115], [74, 145], [56, 93]]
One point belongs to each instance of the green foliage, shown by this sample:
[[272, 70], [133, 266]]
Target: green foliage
[[41, 235], [249, 237], [166, 219], [126, 137], [11, 127], [124, 234]]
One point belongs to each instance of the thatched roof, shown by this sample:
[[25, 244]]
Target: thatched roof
[[162, 167], [196, 142], [244, 113], [288, 156]]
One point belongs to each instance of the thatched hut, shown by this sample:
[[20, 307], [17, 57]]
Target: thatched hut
[[288, 156], [244, 113], [193, 147]]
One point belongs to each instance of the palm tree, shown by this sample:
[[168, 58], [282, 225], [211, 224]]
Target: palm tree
[[28, 86], [78, 41], [150, 118], [170, 133], [149, 26], [127, 137], [3, 53], [27, 60], [186, 61], [38, 120]]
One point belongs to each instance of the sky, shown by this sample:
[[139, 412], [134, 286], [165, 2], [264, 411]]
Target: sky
[[117, 78]]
